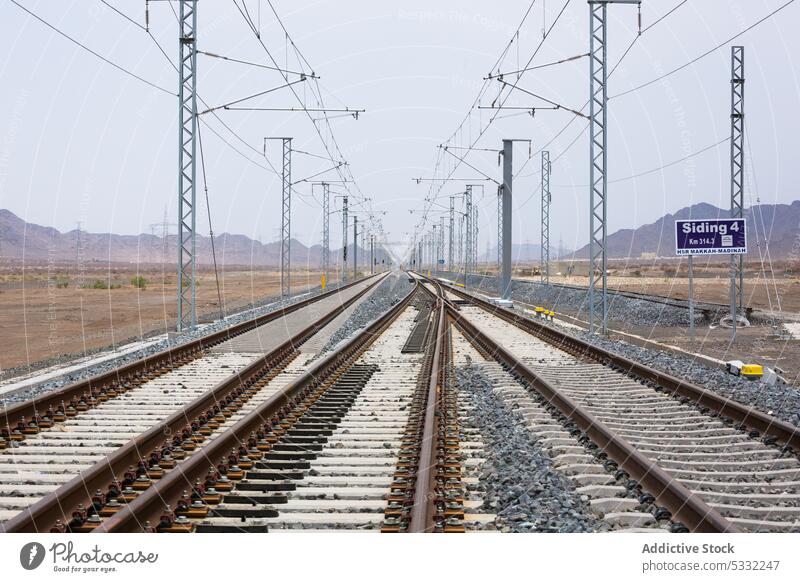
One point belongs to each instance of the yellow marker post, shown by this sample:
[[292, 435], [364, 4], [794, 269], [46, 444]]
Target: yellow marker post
[[323, 282]]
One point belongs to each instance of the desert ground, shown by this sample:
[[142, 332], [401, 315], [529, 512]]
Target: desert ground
[[769, 290], [49, 312]]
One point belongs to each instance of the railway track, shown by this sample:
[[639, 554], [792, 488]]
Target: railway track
[[292, 441], [332, 448], [708, 463], [376, 434], [123, 417]]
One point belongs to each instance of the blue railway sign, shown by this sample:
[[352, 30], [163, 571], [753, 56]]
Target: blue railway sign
[[713, 236]]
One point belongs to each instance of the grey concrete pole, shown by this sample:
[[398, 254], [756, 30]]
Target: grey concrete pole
[[508, 164]]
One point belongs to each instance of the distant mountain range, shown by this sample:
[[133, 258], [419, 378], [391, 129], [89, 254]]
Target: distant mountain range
[[23, 240], [777, 224]]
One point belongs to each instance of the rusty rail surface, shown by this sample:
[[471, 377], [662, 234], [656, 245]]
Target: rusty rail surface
[[423, 509], [101, 383], [150, 504], [58, 505]]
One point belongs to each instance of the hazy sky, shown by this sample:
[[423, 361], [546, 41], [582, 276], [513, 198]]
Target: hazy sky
[[82, 141]]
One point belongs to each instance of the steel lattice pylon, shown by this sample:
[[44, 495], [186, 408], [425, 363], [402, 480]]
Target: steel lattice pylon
[[286, 218], [737, 174], [427, 261], [468, 264], [451, 233], [440, 258], [545, 250], [435, 249], [598, 161], [326, 231], [598, 182], [187, 131], [475, 237], [460, 241]]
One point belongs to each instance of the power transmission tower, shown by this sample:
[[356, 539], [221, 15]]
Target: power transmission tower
[[598, 160], [187, 127], [737, 175], [545, 250], [153, 243], [326, 232]]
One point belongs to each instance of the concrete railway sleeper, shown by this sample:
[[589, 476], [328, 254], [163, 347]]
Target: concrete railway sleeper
[[248, 470], [121, 455], [21, 420], [711, 464], [337, 463]]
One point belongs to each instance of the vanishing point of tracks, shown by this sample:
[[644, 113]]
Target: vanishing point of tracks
[[372, 435]]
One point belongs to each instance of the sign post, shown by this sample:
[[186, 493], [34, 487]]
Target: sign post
[[691, 302], [713, 236]]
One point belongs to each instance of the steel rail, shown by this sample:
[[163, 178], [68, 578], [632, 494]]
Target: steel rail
[[745, 416], [58, 505], [149, 505], [686, 507], [423, 510], [99, 384]]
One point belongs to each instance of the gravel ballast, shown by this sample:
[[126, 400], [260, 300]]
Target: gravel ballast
[[391, 290], [517, 480], [565, 299], [781, 401]]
